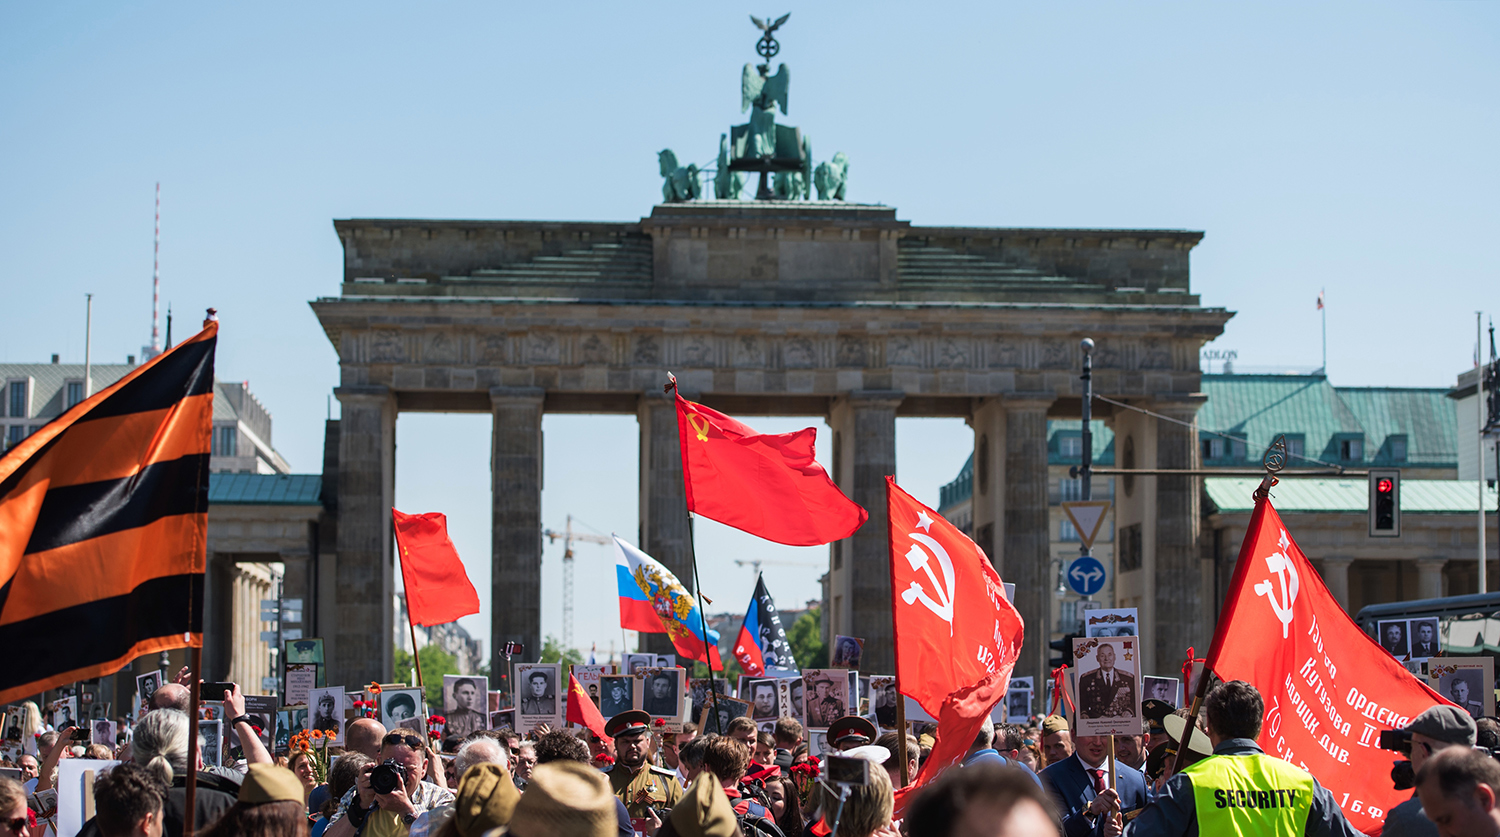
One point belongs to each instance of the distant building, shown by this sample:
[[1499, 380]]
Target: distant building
[[1465, 396], [452, 637]]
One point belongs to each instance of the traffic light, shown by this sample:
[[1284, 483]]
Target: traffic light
[[1063, 649], [1385, 503]]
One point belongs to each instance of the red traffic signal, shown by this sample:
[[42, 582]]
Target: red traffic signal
[[1384, 485], [1385, 503]]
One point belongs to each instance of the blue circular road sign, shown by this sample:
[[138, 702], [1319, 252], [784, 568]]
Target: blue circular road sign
[[1086, 575]]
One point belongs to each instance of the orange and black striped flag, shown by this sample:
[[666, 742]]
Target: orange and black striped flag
[[103, 526]]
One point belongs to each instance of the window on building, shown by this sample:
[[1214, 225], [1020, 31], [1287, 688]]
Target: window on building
[[1237, 449], [1351, 450], [17, 400], [1067, 531], [1294, 449], [75, 392], [1213, 448], [1398, 448], [32, 429], [14, 434], [1072, 489], [1070, 446], [1130, 547], [226, 441]]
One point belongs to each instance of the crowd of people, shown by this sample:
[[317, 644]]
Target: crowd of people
[[638, 779]]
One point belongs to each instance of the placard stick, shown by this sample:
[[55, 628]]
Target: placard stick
[[1113, 766]]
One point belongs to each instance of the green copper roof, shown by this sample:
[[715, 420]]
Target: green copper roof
[[265, 489], [1316, 494]]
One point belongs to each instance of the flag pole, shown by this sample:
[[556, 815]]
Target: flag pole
[[708, 651], [1274, 460], [896, 645], [195, 663]]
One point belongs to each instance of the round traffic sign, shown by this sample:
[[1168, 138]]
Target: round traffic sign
[[1086, 575]]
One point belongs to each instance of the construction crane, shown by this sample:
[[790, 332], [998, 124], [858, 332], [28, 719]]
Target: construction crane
[[757, 562], [568, 536]]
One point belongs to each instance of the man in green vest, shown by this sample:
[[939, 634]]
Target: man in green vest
[[1240, 790]]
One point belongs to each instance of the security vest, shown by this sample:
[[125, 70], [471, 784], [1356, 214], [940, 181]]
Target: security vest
[[1253, 795]]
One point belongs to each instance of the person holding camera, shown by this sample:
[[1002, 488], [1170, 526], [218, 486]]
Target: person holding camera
[[391, 792], [1436, 729]]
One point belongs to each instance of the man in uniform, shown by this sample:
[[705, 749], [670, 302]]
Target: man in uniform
[[1270, 795], [661, 698], [635, 782], [537, 701], [465, 716], [823, 708], [1459, 691], [1106, 692], [851, 731]]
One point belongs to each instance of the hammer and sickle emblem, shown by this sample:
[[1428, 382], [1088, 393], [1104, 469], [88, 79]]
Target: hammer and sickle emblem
[[1282, 566], [699, 425], [917, 557]]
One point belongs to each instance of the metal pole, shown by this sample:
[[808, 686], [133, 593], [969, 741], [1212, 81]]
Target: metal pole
[[1479, 416], [896, 654], [708, 650], [88, 342], [1084, 474]]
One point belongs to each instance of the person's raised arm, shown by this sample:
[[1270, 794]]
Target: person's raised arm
[[255, 749], [49, 764]]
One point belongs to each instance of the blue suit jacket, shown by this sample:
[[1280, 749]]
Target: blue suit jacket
[[1071, 789]]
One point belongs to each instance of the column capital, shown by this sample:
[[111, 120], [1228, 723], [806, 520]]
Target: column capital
[[1432, 563], [366, 393], [1039, 400], [513, 394], [876, 397], [1337, 561], [1180, 403]]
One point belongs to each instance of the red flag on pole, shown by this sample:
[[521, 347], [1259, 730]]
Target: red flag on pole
[[766, 484], [438, 590], [1329, 688], [957, 636], [581, 710]]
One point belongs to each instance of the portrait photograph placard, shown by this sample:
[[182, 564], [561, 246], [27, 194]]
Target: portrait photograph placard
[[1121, 621], [699, 695], [616, 694], [665, 661], [1108, 685], [1164, 689], [883, 699], [765, 700], [103, 732], [797, 690], [847, 651], [1392, 637], [326, 713], [145, 685], [717, 722], [663, 691], [301, 679], [538, 695], [503, 719], [1017, 705], [397, 707], [465, 704], [637, 664], [63, 712], [212, 733], [825, 696], [1467, 681], [262, 712], [588, 677], [288, 720], [1423, 635]]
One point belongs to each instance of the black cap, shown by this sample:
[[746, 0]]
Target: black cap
[[629, 722], [1445, 723], [851, 728], [1154, 711]]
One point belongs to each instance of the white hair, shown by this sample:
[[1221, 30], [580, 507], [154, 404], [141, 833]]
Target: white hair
[[482, 750], [161, 742]]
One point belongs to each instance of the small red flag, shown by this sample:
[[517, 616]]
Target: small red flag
[[766, 484], [1329, 688], [581, 710], [957, 636], [438, 590]]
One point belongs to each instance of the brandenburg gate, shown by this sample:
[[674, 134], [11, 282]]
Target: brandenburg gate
[[771, 307]]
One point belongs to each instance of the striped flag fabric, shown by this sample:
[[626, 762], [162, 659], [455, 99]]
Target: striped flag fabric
[[653, 601], [103, 526]]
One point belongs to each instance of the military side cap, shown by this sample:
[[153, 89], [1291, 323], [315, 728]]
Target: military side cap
[[1053, 724], [1445, 723], [629, 722], [852, 728], [270, 783], [704, 810], [1154, 711], [1176, 725]]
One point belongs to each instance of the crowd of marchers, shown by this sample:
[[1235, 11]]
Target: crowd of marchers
[[638, 779]]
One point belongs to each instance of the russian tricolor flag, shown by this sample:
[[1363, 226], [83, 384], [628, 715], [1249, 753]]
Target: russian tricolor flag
[[653, 601]]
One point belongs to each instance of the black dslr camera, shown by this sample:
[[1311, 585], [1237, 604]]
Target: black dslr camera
[[1399, 741], [386, 776]]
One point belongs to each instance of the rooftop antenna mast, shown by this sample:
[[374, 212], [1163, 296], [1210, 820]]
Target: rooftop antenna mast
[[156, 279]]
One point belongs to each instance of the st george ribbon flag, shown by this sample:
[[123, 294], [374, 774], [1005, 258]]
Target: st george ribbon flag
[[104, 525], [766, 484], [653, 601], [1329, 688], [438, 591], [581, 710], [762, 644], [957, 636]]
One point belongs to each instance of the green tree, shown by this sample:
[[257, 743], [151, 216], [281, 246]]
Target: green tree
[[435, 663], [806, 638], [553, 652]]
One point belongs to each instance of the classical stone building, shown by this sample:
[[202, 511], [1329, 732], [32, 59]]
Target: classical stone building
[[836, 310]]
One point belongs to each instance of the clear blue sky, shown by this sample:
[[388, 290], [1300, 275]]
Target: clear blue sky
[[1346, 146]]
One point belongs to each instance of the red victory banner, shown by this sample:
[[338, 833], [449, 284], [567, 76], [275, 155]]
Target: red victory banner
[[766, 484], [438, 591], [582, 711], [1329, 688], [957, 636]]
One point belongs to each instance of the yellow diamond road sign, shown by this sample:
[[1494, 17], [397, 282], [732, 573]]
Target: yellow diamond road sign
[[1087, 517]]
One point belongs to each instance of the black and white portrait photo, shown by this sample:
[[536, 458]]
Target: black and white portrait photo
[[1392, 637], [661, 694], [826, 694], [326, 713], [637, 664], [699, 694], [104, 733], [1108, 694], [465, 704], [615, 694], [883, 696], [538, 697], [847, 651], [1467, 681], [1017, 705], [1163, 689], [503, 719], [398, 706], [763, 702], [717, 721], [1424, 638], [212, 733]]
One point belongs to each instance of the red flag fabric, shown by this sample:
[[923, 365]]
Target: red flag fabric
[[581, 710], [438, 590], [957, 636], [766, 484], [1329, 688]]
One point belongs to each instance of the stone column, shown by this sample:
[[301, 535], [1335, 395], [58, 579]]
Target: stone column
[[1430, 577], [1336, 577], [1179, 615], [864, 423], [663, 502], [516, 525], [1025, 539], [988, 496], [358, 636]]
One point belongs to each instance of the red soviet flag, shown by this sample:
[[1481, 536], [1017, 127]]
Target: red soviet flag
[[437, 589], [957, 636], [766, 484], [581, 710], [1329, 688]]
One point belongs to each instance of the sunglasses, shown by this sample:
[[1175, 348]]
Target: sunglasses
[[17, 825], [394, 738]]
